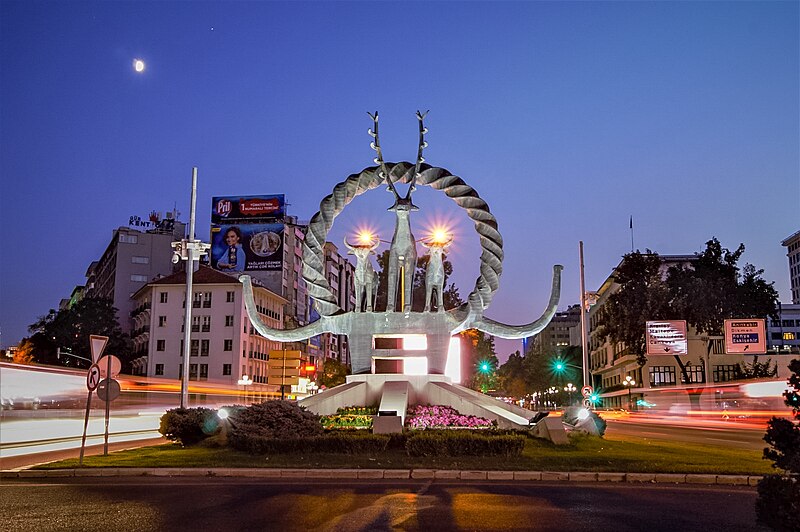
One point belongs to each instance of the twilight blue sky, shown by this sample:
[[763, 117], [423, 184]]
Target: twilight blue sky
[[566, 117]]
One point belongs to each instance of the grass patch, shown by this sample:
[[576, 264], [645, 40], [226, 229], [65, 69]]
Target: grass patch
[[585, 453]]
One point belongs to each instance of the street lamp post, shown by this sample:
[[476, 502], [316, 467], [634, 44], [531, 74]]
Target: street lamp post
[[190, 250], [629, 383], [569, 388]]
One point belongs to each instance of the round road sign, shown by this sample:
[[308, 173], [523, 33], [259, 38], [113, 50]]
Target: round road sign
[[93, 377], [108, 390], [586, 391], [116, 366], [587, 403]]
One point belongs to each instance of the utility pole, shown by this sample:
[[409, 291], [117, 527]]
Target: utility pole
[[584, 331], [189, 250]]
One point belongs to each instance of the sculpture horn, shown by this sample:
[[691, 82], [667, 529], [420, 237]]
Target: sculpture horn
[[516, 332], [347, 244], [278, 335]]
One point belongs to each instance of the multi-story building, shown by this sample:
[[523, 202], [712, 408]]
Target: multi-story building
[[131, 260], [339, 272], [224, 345], [562, 331], [610, 363], [792, 245], [783, 334]]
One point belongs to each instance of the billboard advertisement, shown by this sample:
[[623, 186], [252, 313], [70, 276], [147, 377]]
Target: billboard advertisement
[[746, 336], [247, 247], [247, 233], [247, 209], [667, 337]]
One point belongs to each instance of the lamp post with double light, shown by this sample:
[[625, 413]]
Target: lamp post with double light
[[629, 382]]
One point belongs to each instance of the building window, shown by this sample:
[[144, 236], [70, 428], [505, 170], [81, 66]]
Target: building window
[[206, 299], [204, 345], [193, 372], [163, 296], [227, 345], [128, 239], [139, 278], [195, 347], [726, 373], [662, 376], [226, 369], [140, 260], [229, 297], [197, 299], [228, 321], [195, 323], [776, 336], [696, 374], [161, 345], [206, 323], [162, 321], [203, 372], [789, 336], [159, 369]]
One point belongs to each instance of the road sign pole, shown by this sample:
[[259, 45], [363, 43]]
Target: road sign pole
[[283, 372], [85, 427], [108, 408]]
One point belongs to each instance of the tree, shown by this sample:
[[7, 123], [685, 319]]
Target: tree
[[643, 295], [333, 373], [70, 328], [511, 376], [481, 374], [778, 503], [711, 290], [24, 353]]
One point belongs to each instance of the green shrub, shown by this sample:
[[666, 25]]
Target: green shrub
[[460, 443], [339, 443], [189, 426], [346, 421], [357, 410], [275, 419], [778, 503]]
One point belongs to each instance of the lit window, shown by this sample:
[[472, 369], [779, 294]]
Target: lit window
[[789, 336]]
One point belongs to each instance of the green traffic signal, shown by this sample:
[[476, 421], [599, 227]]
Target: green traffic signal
[[485, 367], [559, 365]]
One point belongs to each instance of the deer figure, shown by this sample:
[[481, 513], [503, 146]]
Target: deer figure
[[434, 274], [403, 250], [366, 278]]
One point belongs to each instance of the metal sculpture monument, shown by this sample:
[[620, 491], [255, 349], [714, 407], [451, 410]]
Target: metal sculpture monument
[[363, 327]]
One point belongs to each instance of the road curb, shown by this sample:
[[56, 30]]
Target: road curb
[[395, 474]]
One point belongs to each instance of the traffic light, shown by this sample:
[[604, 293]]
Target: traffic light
[[484, 367], [594, 398], [559, 366]]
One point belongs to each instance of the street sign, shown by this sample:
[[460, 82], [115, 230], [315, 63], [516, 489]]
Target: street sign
[[587, 403], [745, 337], [666, 337], [276, 354], [284, 363], [93, 377], [97, 344], [286, 380], [586, 391], [108, 390], [116, 366]]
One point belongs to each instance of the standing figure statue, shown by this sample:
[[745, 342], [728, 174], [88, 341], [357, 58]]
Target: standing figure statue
[[403, 250], [434, 274], [366, 278]]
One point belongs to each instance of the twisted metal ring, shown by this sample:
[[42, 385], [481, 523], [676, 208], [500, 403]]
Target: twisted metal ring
[[437, 178]]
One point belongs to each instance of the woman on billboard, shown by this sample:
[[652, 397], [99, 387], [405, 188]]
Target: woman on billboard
[[233, 259]]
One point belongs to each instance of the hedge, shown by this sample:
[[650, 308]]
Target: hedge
[[189, 426], [446, 443], [338, 443]]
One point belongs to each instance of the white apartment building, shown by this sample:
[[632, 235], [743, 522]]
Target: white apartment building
[[792, 245], [224, 345], [660, 380]]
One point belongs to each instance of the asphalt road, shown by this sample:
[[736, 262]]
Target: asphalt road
[[690, 431], [240, 504]]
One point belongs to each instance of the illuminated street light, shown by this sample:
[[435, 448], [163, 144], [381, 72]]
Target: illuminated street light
[[569, 388], [630, 383]]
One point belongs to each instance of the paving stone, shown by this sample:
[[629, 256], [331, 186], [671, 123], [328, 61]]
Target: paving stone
[[701, 479], [133, 471], [293, 473], [734, 480], [60, 473], [499, 475], [9, 474], [32, 473], [610, 477], [640, 477], [670, 477], [370, 473], [753, 481], [527, 475], [321, 473], [577, 476], [446, 474], [397, 473], [554, 475], [472, 475], [422, 473]]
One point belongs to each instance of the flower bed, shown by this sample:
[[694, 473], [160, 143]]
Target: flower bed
[[346, 421], [422, 417]]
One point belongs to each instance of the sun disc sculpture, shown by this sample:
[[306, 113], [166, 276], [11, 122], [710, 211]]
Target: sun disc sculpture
[[363, 326]]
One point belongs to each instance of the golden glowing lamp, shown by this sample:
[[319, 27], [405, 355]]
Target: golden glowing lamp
[[365, 238], [440, 236]]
